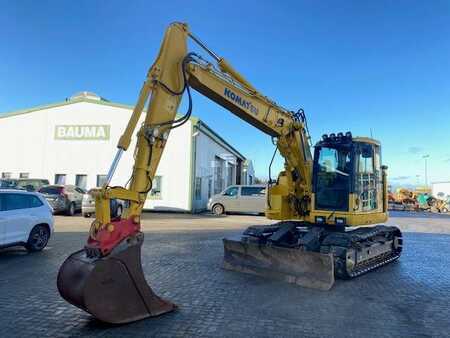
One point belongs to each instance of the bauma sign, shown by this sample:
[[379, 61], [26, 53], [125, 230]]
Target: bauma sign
[[82, 132]]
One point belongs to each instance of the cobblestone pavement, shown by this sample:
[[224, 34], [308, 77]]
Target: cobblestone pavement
[[408, 298]]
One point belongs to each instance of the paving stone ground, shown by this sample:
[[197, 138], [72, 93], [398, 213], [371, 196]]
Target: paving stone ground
[[408, 298]]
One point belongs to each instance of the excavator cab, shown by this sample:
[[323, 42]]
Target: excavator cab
[[348, 178], [333, 173]]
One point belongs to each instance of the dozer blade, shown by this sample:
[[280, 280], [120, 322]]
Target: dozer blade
[[308, 269], [112, 288]]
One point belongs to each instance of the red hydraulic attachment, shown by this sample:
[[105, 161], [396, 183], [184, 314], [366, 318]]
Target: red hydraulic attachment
[[108, 237]]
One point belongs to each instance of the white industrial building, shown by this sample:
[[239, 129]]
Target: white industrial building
[[74, 142]]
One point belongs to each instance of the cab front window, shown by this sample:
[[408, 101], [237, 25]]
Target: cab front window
[[333, 169]]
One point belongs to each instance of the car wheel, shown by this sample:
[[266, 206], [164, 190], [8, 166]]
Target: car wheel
[[444, 210], [87, 215], [71, 209], [218, 209], [38, 238]]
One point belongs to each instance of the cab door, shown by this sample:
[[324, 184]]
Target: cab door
[[368, 185], [252, 199], [16, 216], [229, 199]]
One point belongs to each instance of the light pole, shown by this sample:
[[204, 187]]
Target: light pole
[[425, 157]]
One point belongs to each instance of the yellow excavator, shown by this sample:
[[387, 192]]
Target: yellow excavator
[[330, 205]]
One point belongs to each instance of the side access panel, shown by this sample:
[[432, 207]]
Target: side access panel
[[308, 269]]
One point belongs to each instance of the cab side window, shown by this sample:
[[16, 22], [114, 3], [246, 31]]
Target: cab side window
[[14, 202], [253, 191], [367, 172], [18, 201], [35, 202]]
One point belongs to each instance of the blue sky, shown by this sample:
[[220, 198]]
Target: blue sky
[[365, 66]]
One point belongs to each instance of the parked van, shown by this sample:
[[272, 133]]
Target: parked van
[[239, 198]]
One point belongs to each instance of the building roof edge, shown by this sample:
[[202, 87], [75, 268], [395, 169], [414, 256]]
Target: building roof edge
[[64, 103], [200, 124]]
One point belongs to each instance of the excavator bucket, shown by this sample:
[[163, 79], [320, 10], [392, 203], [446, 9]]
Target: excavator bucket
[[308, 269], [112, 288]]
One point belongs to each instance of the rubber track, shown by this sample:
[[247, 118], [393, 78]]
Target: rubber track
[[380, 260]]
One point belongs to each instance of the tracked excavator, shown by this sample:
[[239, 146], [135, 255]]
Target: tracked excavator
[[330, 206]]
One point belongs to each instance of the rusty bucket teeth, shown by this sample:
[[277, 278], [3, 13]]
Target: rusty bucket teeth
[[308, 269], [113, 288]]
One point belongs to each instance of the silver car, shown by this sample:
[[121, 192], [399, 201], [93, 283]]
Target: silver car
[[239, 198], [88, 206], [63, 198]]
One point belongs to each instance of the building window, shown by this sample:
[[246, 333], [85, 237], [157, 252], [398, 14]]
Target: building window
[[230, 174], [81, 181], [198, 188], [218, 175], [24, 175], [155, 192], [60, 179], [209, 188], [6, 175], [101, 179]]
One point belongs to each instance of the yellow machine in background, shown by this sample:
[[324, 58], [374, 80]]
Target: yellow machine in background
[[318, 198]]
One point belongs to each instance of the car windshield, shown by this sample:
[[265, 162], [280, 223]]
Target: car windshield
[[8, 183], [30, 185], [51, 190]]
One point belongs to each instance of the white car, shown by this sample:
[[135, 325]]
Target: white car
[[26, 219]]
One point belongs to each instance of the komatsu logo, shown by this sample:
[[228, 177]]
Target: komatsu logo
[[241, 101], [83, 132]]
